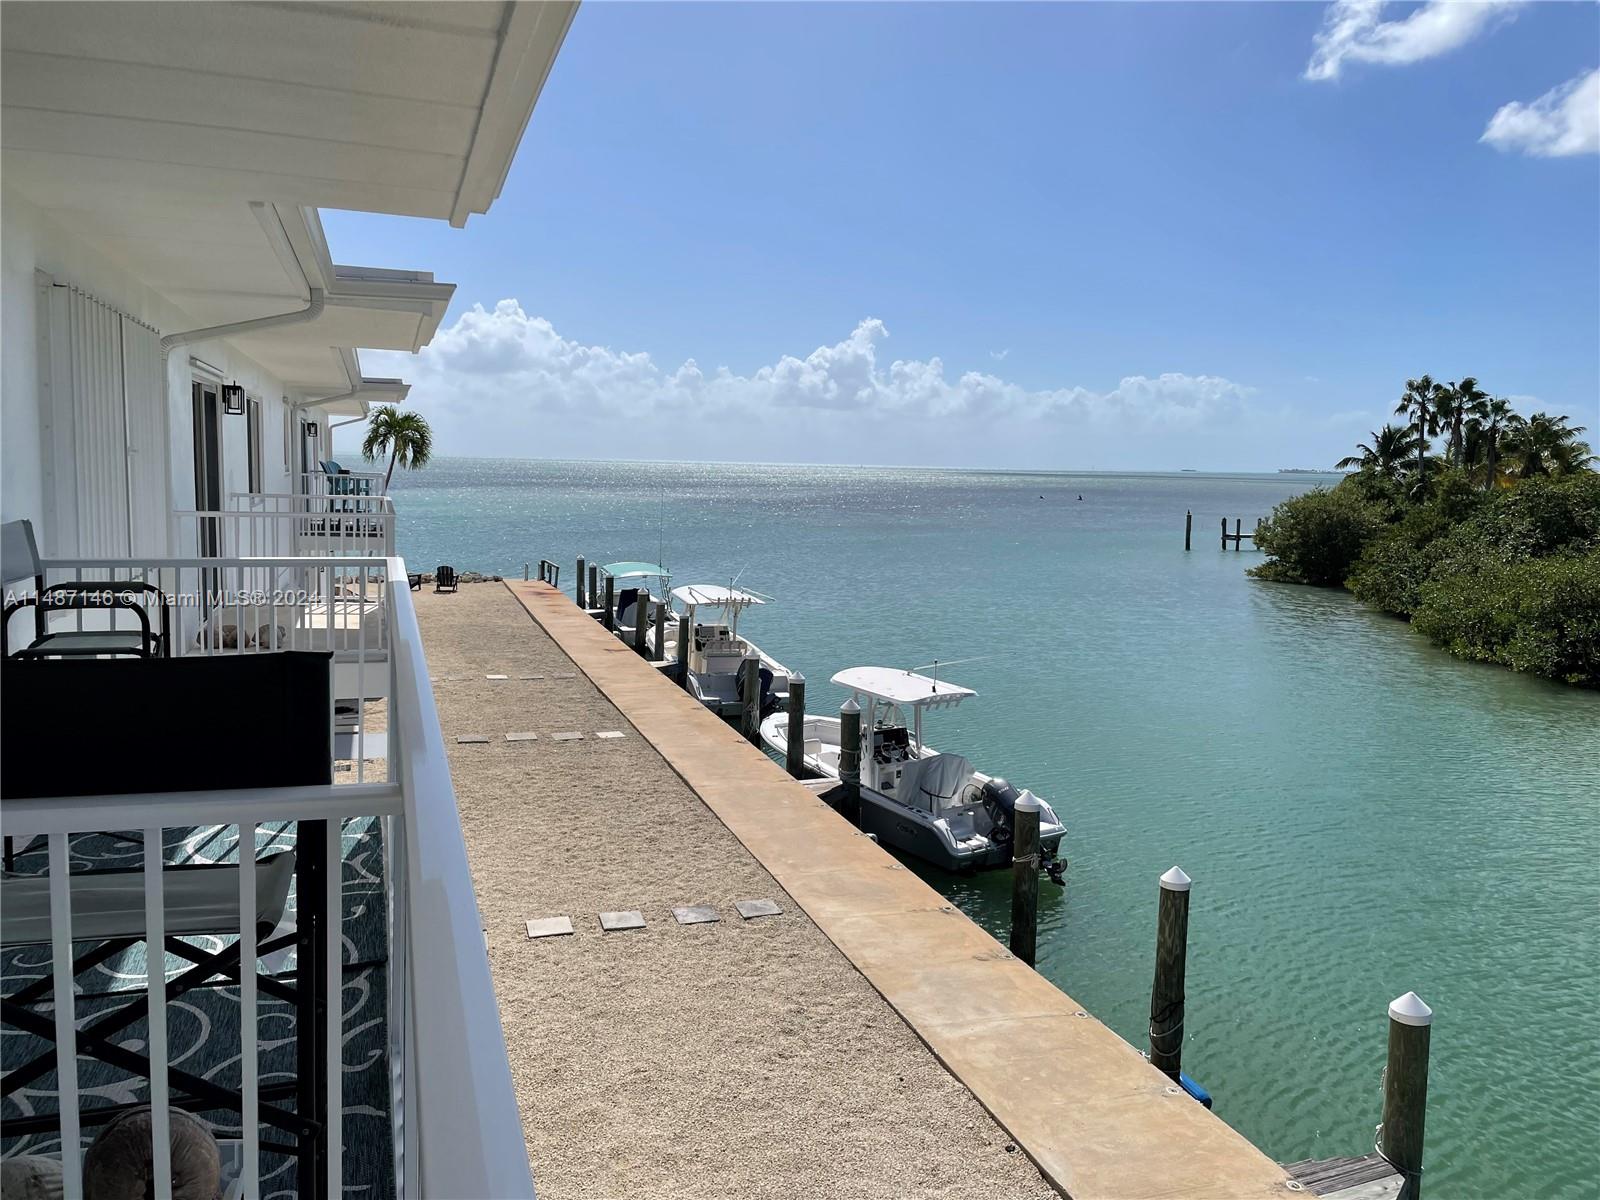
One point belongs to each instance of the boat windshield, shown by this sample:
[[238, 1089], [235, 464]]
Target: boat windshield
[[888, 716]]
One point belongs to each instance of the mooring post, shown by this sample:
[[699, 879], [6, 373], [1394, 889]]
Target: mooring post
[[583, 596], [641, 624], [1166, 993], [850, 751], [524, 572], [660, 652], [1224, 533], [1188, 527], [683, 651], [795, 760], [1405, 1090], [1025, 877], [750, 700], [594, 585], [609, 617], [1238, 533]]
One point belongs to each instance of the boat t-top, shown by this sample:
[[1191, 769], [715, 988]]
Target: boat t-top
[[716, 649], [933, 805], [633, 578]]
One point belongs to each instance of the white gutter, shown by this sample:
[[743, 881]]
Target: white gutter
[[299, 316]]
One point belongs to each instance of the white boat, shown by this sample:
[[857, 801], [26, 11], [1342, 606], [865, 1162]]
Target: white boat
[[631, 579], [933, 805], [716, 650]]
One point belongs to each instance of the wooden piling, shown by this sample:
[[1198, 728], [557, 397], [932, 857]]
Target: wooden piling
[[1025, 877], [594, 585], [1238, 533], [583, 597], [659, 653], [795, 760], [1405, 1090], [524, 572], [1166, 993], [684, 649], [850, 748], [609, 617], [1188, 528], [641, 623], [750, 700], [1224, 533]]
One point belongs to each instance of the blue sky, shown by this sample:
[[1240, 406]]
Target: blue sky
[[1077, 235]]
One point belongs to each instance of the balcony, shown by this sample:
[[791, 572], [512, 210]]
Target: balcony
[[373, 960]]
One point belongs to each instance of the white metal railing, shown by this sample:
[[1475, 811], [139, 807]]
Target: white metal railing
[[285, 525], [456, 1129], [346, 483]]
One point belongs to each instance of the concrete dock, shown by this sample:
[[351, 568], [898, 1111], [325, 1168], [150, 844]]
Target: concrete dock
[[869, 1040]]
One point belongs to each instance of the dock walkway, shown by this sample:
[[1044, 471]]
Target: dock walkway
[[1097, 1119], [727, 1059]]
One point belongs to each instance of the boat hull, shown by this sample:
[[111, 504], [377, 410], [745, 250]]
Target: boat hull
[[892, 823]]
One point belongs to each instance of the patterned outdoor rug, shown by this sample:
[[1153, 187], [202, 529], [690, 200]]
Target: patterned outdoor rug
[[203, 1024]]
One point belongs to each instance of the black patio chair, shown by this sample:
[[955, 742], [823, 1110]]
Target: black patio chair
[[444, 579], [20, 554]]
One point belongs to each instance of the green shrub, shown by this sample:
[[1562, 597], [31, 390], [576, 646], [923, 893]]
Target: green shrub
[[1537, 517], [1397, 562], [1317, 536], [1540, 614]]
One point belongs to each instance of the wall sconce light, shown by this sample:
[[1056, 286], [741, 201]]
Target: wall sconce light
[[311, 430], [233, 399]]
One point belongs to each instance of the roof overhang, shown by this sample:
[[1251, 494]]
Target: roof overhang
[[379, 106]]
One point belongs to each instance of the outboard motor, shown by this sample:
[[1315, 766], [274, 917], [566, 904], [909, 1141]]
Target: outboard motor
[[1000, 802], [769, 702]]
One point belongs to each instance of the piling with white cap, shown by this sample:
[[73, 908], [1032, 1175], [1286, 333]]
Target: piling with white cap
[[1167, 991], [1025, 876], [1405, 1090], [850, 752], [795, 759]]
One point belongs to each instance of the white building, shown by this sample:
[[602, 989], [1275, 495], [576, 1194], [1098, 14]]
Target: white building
[[163, 168]]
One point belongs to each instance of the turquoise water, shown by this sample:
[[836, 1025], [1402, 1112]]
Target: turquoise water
[[1362, 814]]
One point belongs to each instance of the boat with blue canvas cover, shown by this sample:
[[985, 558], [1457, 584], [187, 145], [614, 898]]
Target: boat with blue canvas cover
[[633, 578]]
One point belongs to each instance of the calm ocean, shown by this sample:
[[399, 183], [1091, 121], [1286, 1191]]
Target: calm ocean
[[1362, 814]]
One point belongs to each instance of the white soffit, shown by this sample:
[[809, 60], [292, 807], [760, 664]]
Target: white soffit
[[412, 108]]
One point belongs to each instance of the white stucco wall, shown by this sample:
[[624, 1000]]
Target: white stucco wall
[[29, 242]]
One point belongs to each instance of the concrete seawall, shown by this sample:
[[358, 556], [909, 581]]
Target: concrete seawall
[[1099, 1122]]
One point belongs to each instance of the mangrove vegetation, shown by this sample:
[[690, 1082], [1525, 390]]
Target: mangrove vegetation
[[1477, 524]]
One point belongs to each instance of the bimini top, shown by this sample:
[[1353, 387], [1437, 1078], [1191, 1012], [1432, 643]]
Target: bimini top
[[634, 570], [714, 594], [902, 687]]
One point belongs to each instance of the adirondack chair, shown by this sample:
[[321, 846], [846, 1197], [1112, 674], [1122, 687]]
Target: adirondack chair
[[444, 579]]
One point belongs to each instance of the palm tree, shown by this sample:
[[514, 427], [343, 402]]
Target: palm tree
[[1546, 445], [1485, 434], [1421, 403], [404, 437], [1458, 404], [1386, 455]]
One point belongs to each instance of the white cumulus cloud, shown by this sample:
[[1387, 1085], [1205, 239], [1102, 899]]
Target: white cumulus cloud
[[503, 381], [1562, 122], [1354, 31]]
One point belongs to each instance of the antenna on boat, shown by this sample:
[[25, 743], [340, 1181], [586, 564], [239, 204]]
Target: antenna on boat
[[954, 662]]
